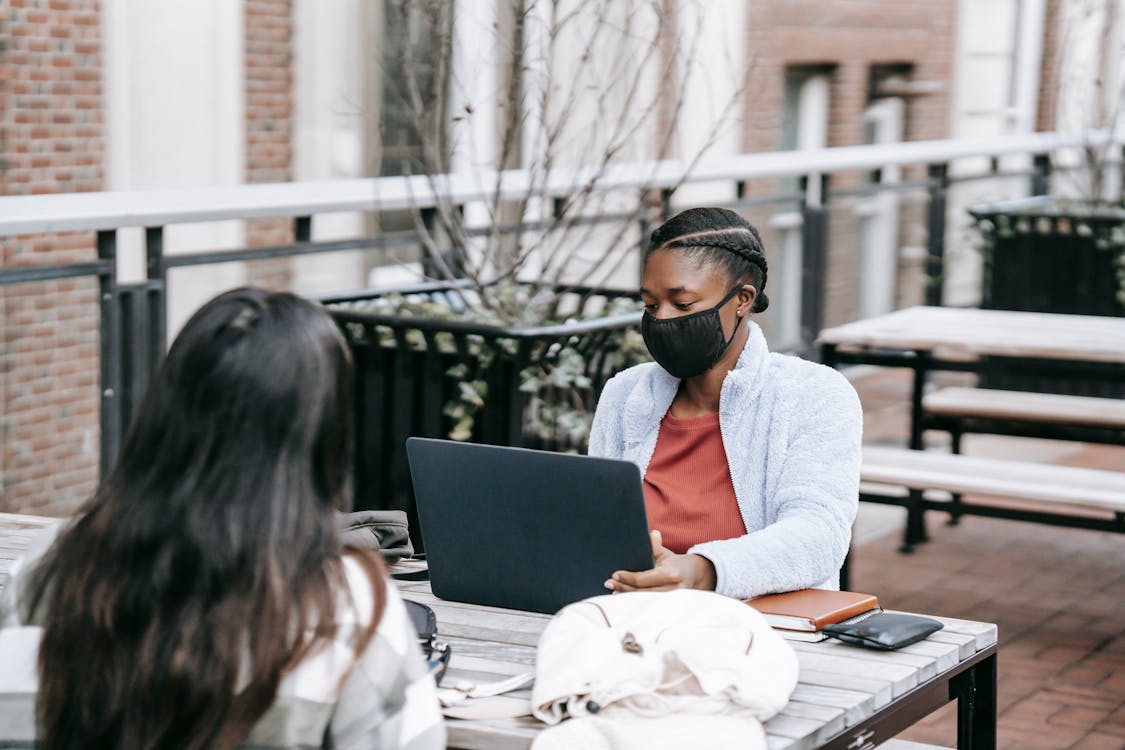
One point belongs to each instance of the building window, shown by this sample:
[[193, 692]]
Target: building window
[[804, 126], [414, 80], [804, 121]]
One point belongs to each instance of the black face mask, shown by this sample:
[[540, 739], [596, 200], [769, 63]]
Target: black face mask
[[690, 344]]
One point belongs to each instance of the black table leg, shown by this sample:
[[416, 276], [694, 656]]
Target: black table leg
[[914, 532], [975, 691], [920, 366], [828, 355], [955, 501]]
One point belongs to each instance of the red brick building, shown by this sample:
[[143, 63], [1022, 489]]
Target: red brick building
[[855, 44], [53, 140]]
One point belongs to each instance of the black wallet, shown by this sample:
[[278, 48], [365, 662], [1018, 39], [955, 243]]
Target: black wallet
[[885, 630]]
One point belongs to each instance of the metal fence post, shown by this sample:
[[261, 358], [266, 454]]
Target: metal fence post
[[814, 258], [1122, 172], [644, 228], [665, 204], [302, 229], [935, 230], [142, 330], [1041, 174], [452, 260], [645, 222], [157, 292], [109, 343]]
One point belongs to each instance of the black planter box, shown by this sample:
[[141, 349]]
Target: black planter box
[[1040, 256], [402, 379]]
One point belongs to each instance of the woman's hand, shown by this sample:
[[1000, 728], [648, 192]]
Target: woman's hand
[[670, 571]]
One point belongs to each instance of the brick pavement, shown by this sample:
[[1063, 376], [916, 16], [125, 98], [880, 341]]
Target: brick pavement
[[1057, 594]]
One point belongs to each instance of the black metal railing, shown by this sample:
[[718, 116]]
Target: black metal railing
[[132, 317]]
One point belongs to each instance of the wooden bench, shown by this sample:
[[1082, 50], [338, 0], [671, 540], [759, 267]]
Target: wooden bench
[[960, 411], [924, 480], [981, 410]]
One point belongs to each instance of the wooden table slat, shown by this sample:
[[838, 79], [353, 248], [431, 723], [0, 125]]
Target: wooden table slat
[[923, 667], [419, 591], [1027, 406], [830, 719], [902, 677], [881, 690], [513, 658], [802, 731], [973, 332], [1097, 489], [856, 705], [507, 627], [496, 734], [966, 644], [985, 633]]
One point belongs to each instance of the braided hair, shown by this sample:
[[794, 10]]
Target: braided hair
[[721, 237]]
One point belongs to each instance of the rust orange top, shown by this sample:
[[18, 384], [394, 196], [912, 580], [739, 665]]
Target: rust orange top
[[689, 496]]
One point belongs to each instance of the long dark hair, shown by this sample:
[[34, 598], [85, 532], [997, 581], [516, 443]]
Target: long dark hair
[[209, 553], [720, 237]]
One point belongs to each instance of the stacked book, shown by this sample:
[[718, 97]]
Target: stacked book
[[802, 615]]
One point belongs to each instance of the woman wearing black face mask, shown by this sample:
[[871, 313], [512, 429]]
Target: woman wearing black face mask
[[750, 458]]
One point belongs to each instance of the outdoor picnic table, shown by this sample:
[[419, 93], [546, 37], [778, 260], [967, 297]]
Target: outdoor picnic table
[[16, 531], [846, 697], [928, 339]]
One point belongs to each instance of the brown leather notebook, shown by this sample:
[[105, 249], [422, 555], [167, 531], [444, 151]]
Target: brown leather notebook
[[810, 610]]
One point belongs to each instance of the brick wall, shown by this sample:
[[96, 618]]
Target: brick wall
[[852, 37], [51, 133], [51, 141], [269, 123], [848, 38]]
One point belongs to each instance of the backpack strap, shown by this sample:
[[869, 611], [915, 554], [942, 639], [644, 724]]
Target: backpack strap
[[486, 701]]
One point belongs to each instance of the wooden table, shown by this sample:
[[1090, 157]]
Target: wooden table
[[926, 339], [847, 697], [15, 532]]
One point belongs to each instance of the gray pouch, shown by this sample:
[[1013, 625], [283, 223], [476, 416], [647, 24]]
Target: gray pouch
[[886, 630], [383, 530]]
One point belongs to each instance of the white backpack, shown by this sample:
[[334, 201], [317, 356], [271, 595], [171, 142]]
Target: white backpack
[[659, 669]]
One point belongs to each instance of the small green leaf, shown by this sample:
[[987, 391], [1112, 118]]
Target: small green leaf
[[463, 430]]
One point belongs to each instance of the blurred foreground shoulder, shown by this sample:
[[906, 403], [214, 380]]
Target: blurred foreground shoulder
[[389, 700]]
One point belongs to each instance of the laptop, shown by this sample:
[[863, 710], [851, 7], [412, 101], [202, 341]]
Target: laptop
[[525, 529]]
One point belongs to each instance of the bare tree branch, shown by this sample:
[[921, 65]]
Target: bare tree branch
[[587, 116], [572, 209], [713, 135], [668, 82]]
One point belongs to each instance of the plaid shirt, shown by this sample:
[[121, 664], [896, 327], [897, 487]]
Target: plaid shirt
[[387, 701]]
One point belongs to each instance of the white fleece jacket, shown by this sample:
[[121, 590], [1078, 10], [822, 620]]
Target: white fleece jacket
[[791, 430]]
